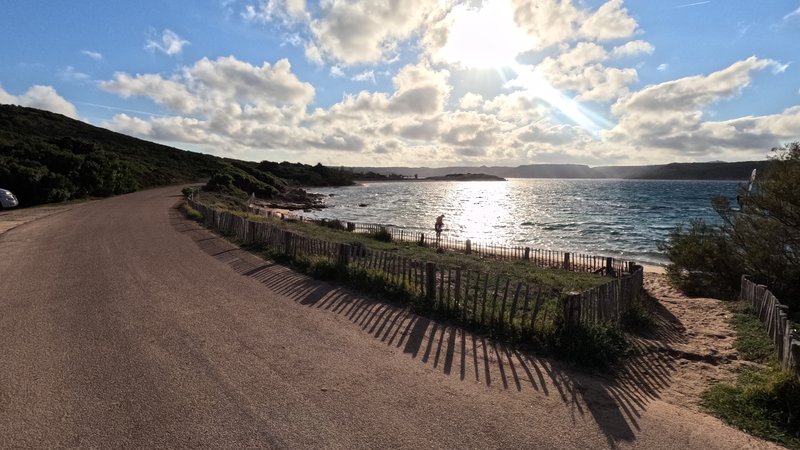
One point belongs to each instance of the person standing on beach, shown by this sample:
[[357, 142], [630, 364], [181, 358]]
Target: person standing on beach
[[439, 226]]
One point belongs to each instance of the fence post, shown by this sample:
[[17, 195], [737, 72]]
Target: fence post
[[343, 258], [287, 242], [794, 351], [609, 265], [572, 309], [430, 282], [566, 260], [527, 253], [468, 249], [422, 239], [458, 288]]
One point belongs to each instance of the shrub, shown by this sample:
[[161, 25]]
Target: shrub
[[590, 345], [187, 191], [703, 260], [190, 213], [760, 238], [381, 235]]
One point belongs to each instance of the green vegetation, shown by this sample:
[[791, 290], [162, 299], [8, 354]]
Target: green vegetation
[[760, 238], [596, 346], [764, 400], [515, 269], [189, 212], [752, 342], [46, 157]]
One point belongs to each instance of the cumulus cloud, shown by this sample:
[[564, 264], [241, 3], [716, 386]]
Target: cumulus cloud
[[364, 32], [336, 71], [367, 75], [269, 10], [556, 21], [223, 83], [579, 70], [669, 116], [633, 48], [168, 43], [610, 21], [41, 97]]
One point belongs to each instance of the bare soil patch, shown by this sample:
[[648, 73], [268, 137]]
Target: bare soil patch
[[693, 337]]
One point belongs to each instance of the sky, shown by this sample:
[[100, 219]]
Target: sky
[[418, 82]]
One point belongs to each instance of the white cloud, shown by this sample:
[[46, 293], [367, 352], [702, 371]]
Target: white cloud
[[336, 71], [169, 93], [555, 21], [364, 32], [70, 74], [579, 70], [669, 116], [97, 56], [169, 43], [662, 67], [41, 97], [287, 11], [610, 21], [471, 100], [368, 75], [633, 48], [792, 15], [222, 83]]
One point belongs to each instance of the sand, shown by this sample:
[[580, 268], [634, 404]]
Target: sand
[[692, 345]]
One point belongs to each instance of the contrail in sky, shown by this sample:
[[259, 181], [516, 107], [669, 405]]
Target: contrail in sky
[[693, 4], [114, 108]]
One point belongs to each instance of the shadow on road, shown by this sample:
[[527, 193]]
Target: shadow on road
[[615, 402]]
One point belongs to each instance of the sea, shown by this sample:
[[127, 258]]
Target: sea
[[617, 218]]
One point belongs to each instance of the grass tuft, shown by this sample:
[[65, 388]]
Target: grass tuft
[[764, 402], [190, 213]]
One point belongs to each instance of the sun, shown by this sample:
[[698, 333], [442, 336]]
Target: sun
[[484, 37]]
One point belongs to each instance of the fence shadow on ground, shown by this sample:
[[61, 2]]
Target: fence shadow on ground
[[615, 402]]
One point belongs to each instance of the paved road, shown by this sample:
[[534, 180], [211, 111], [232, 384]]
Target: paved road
[[123, 325]]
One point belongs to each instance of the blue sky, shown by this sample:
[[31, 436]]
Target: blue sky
[[434, 83]]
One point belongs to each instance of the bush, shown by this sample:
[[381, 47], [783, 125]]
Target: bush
[[760, 238], [590, 345], [381, 235], [190, 213], [187, 191], [703, 259]]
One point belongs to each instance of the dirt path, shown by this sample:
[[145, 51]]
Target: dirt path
[[694, 340]]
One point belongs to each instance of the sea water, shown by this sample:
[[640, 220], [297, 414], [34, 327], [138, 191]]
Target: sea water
[[619, 218]]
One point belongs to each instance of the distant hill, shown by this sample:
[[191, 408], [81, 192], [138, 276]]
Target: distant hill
[[466, 177], [674, 171], [46, 157]]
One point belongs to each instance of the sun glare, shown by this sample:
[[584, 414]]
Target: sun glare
[[536, 86], [484, 37]]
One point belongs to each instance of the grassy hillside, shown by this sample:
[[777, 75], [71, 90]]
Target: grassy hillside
[[47, 157]]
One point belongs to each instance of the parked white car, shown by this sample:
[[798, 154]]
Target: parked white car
[[7, 199]]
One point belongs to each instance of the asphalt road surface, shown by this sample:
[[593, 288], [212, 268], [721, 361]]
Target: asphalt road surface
[[123, 325]]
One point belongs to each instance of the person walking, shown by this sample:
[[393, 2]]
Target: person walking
[[439, 226]]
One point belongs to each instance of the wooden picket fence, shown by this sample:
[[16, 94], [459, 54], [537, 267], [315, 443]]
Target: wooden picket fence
[[485, 300], [775, 317], [574, 262]]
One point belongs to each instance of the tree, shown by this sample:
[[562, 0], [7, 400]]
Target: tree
[[761, 238]]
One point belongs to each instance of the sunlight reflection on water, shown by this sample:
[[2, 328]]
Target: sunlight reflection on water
[[602, 217]]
